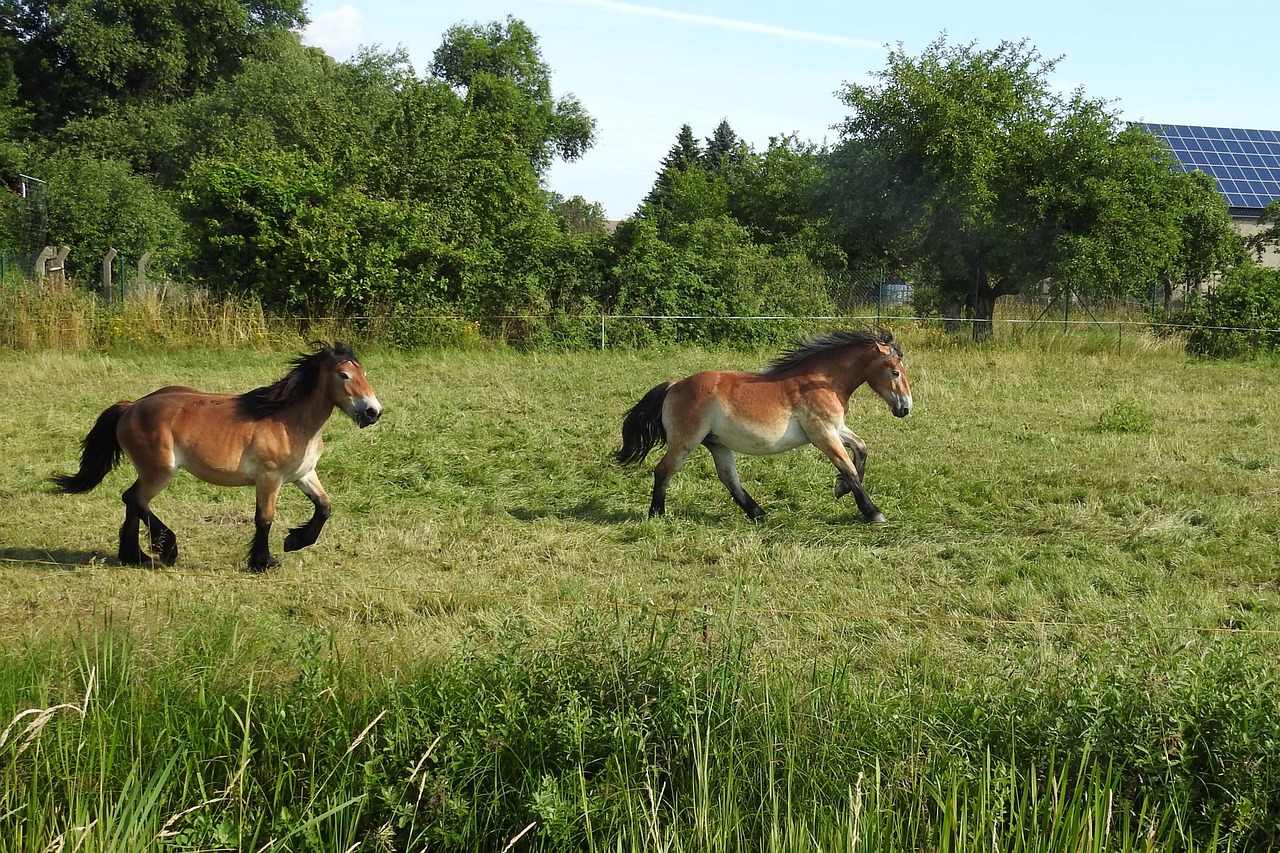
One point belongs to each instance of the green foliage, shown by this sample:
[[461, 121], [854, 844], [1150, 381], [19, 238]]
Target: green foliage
[[710, 267], [96, 204], [503, 74], [75, 58], [1238, 316]]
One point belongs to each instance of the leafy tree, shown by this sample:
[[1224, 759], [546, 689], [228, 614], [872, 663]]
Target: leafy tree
[[577, 215], [87, 57], [1207, 243], [500, 68], [968, 163], [774, 195]]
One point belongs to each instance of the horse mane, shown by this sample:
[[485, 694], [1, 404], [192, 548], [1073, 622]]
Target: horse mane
[[295, 385], [803, 350]]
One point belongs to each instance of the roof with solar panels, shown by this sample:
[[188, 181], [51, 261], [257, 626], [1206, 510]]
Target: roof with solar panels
[[1244, 163]]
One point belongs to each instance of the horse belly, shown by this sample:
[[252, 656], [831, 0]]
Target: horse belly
[[219, 472], [759, 439]]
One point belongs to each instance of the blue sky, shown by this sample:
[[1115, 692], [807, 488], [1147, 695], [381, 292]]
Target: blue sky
[[645, 68]]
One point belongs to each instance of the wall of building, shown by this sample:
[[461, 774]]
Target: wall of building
[[1247, 228]]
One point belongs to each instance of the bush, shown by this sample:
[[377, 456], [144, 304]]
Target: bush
[[1240, 317]]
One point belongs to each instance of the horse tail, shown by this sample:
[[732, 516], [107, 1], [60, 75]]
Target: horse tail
[[642, 428], [101, 452]]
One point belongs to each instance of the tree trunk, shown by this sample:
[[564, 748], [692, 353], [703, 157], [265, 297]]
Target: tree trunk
[[984, 309]]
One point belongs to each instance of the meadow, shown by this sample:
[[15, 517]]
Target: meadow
[[1064, 636]]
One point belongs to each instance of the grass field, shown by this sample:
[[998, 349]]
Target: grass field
[[1070, 521]]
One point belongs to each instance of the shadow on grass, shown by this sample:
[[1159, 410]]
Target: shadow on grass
[[59, 558], [597, 511]]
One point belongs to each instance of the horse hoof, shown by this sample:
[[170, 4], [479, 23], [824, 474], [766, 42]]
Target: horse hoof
[[291, 542], [842, 487], [878, 518], [260, 566]]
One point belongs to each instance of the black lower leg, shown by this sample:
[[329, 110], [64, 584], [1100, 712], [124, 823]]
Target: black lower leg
[[307, 534], [260, 557], [748, 504], [869, 509], [163, 541], [129, 553], [658, 506]]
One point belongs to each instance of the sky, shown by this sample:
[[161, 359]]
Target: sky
[[643, 69]]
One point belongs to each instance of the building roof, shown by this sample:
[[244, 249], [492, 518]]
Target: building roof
[[1244, 163]]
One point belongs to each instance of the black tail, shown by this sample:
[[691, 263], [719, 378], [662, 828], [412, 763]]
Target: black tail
[[101, 453], [642, 427]]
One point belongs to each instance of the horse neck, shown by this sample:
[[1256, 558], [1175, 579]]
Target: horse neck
[[310, 414], [845, 368]]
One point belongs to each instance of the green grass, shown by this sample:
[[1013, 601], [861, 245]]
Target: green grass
[[1062, 635]]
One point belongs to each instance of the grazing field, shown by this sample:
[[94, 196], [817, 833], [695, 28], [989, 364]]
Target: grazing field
[[1066, 631]]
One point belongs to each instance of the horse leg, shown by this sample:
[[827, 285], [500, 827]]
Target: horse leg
[[264, 514], [850, 479], [677, 453], [137, 502], [307, 534], [859, 448], [727, 470], [129, 553]]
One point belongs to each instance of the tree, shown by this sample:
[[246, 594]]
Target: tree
[[87, 57], [684, 155], [774, 194], [968, 163], [501, 70], [722, 148]]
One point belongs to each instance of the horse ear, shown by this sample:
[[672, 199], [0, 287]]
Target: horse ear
[[885, 349]]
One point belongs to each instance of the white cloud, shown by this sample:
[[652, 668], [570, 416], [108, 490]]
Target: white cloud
[[338, 32], [722, 23]]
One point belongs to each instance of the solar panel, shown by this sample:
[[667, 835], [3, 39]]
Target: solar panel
[[1245, 163]]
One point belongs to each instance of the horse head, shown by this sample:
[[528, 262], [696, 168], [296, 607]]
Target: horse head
[[887, 376], [349, 388]]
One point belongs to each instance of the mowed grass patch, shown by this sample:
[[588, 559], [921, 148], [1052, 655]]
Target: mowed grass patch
[[487, 496]]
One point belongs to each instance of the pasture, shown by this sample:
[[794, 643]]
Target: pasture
[[1067, 519]]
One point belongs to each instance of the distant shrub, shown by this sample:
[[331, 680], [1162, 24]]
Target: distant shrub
[[1239, 317]]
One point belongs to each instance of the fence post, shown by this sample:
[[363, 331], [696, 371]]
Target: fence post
[[141, 283], [107, 260], [42, 261], [602, 345]]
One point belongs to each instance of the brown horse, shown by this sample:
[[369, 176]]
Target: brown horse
[[799, 399], [264, 438]]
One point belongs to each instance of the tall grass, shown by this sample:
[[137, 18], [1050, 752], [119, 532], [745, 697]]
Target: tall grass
[[616, 738]]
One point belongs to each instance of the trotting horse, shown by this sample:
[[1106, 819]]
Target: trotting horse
[[799, 399], [264, 438]]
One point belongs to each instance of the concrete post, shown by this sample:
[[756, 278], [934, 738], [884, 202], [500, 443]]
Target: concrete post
[[107, 260], [42, 261]]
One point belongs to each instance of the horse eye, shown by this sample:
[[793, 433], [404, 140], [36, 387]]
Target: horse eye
[[345, 376], [896, 375]]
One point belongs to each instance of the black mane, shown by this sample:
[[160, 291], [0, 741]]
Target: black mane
[[831, 340], [295, 385]]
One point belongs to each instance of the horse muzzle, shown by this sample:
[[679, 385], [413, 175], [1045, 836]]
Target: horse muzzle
[[367, 416], [900, 406]]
